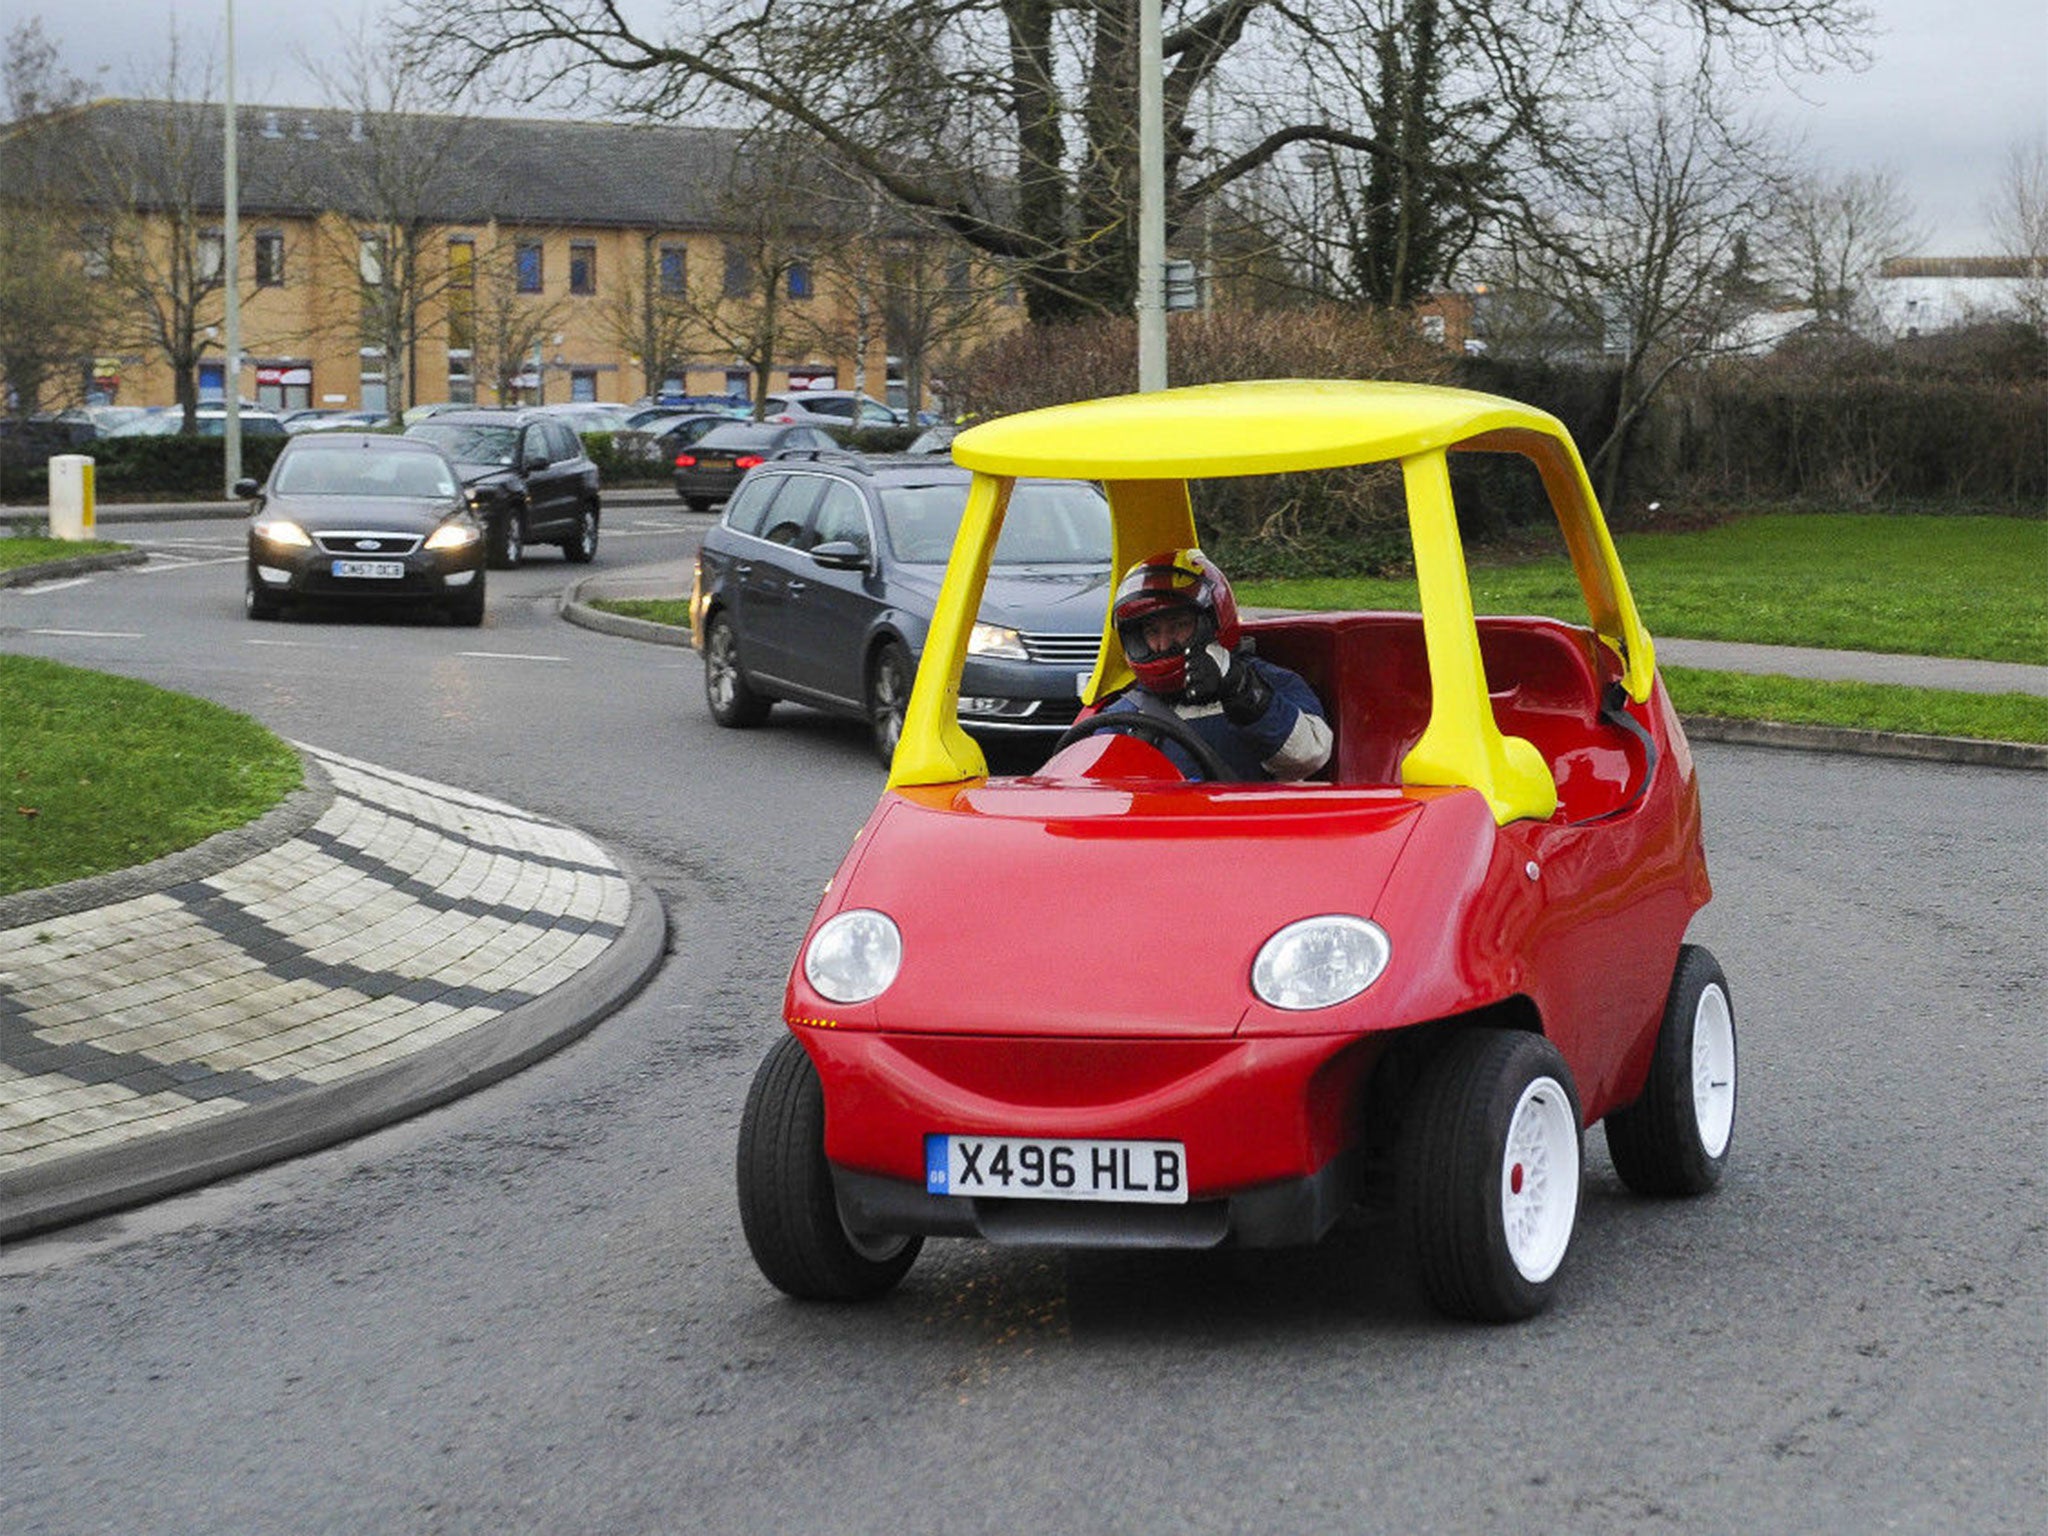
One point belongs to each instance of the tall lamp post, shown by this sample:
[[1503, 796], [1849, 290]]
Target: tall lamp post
[[1151, 202], [231, 276]]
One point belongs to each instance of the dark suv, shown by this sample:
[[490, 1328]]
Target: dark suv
[[818, 584], [527, 478]]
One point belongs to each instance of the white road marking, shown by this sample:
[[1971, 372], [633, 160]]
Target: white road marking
[[90, 634], [41, 587], [188, 565], [508, 656]]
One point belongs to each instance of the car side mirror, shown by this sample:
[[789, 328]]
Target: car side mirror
[[841, 555], [248, 489], [533, 461]]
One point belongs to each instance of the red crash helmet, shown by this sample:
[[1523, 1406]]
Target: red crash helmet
[[1178, 580]]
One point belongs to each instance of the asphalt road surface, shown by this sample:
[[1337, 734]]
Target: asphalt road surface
[[533, 1311]]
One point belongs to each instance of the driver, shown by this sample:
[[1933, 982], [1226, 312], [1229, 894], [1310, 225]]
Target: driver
[[1177, 620]]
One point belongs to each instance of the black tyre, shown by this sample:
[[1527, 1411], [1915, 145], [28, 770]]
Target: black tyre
[[1489, 1174], [581, 546], [508, 539], [890, 677], [698, 503], [468, 609], [731, 701], [787, 1207], [259, 604], [1674, 1139]]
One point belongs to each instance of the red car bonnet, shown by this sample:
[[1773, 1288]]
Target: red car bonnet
[[1100, 909]]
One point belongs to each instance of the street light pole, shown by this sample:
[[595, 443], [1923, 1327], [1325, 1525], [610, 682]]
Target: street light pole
[[1151, 202], [231, 276]]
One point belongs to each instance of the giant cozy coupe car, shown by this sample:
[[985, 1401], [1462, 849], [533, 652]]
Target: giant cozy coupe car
[[355, 515], [1414, 981], [819, 581]]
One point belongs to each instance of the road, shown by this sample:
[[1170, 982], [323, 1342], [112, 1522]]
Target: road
[[533, 1311]]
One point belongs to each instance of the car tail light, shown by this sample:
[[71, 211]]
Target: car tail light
[[686, 461], [748, 461]]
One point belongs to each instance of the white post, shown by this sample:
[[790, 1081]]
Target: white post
[[1151, 202], [71, 497]]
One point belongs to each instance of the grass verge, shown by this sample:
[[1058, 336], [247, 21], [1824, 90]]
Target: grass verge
[[102, 773], [35, 550], [1859, 706], [655, 610]]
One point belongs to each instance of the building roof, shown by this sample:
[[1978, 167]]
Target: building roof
[[445, 170]]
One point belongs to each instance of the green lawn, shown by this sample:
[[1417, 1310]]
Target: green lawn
[[34, 551], [1922, 586], [102, 772]]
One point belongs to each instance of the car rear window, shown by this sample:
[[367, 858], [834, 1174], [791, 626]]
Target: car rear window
[[1050, 522]]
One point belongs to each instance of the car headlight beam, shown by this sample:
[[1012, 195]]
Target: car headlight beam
[[453, 536], [282, 531], [853, 956], [995, 640], [1319, 962]]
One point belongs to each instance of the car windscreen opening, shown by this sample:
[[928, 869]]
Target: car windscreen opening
[[1050, 522]]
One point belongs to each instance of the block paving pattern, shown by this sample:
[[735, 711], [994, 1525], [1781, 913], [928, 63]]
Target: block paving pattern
[[408, 914]]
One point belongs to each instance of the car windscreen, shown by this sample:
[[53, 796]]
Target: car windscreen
[[1050, 522], [469, 442], [360, 472]]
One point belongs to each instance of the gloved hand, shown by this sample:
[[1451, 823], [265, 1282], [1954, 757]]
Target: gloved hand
[[1217, 675]]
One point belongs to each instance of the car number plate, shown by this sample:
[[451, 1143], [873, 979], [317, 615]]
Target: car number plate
[[1032, 1168], [714, 463], [379, 570]]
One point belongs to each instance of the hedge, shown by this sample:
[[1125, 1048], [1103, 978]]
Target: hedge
[[172, 468]]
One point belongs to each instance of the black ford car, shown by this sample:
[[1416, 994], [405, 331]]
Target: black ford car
[[818, 584], [349, 515], [526, 475]]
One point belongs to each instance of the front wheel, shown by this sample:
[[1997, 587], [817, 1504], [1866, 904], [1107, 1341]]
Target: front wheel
[[889, 683], [1674, 1139], [1489, 1174], [581, 546], [787, 1208], [508, 539]]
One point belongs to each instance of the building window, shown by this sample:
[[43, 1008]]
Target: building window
[[370, 259], [461, 300], [674, 271], [582, 267], [739, 272], [375, 394], [461, 377], [582, 384], [96, 250], [799, 279], [270, 260], [959, 276], [210, 257], [526, 257]]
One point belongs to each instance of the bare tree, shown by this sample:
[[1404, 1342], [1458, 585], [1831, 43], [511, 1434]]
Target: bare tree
[[1835, 234], [50, 308], [1642, 255], [2018, 213], [651, 318], [507, 325], [1014, 122]]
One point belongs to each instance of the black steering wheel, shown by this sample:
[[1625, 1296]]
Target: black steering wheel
[[1166, 727]]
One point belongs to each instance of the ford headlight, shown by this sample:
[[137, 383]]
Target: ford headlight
[[994, 640], [1319, 961], [282, 531], [854, 956], [454, 536]]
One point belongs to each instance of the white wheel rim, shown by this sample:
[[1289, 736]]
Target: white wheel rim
[[1539, 1179], [1713, 1070]]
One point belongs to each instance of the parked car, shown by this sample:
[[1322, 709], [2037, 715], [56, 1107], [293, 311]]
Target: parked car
[[212, 421], [86, 422], [527, 476], [934, 439], [844, 408], [318, 420], [355, 515], [708, 470], [663, 437], [590, 416], [819, 582], [1414, 980]]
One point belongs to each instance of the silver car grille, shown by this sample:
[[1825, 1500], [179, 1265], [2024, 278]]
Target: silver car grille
[[1077, 651], [365, 544]]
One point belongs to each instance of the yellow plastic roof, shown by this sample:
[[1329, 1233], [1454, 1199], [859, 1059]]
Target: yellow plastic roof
[[1256, 427]]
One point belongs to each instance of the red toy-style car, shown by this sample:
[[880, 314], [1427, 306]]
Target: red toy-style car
[[1421, 973]]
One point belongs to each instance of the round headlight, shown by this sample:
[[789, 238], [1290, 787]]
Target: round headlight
[[1319, 961], [853, 956]]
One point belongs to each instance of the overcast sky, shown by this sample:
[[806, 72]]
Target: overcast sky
[[1954, 84]]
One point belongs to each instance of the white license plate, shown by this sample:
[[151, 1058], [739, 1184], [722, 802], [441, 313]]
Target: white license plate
[[1030, 1168], [377, 570]]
